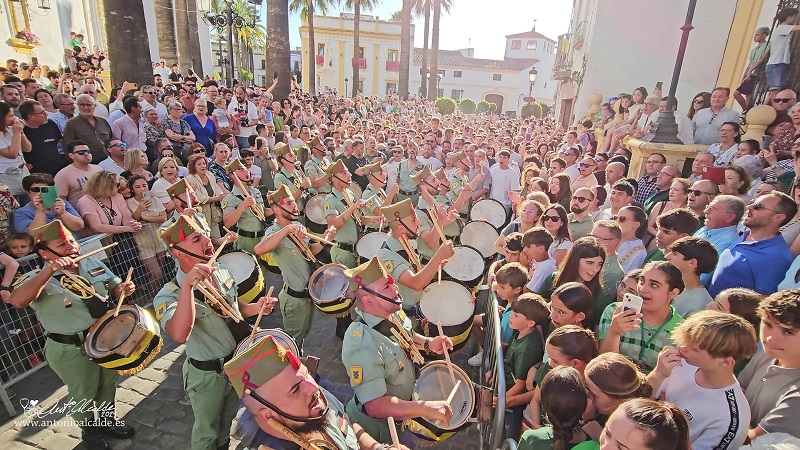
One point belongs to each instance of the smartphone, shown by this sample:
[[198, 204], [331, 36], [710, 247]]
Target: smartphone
[[766, 141], [714, 174], [146, 195], [630, 301], [274, 75], [49, 195], [659, 84], [67, 70], [34, 60]]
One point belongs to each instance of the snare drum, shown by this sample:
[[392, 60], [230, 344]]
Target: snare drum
[[328, 288], [245, 272], [433, 384], [369, 244], [489, 210], [466, 266], [315, 217], [127, 342], [451, 304], [281, 337], [481, 236]]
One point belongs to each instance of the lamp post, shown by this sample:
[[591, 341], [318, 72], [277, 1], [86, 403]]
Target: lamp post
[[438, 82], [531, 79], [345, 86], [666, 128], [227, 20]]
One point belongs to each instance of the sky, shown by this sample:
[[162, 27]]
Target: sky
[[468, 23]]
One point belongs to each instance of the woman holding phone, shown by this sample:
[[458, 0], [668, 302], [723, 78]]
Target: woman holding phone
[[45, 206], [150, 212]]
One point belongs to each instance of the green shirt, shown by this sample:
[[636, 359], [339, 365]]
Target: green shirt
[[610, 276], [403, 175], [756, 54], [267, 179], [334, 204], [655, 254], [295, 270], [290, 179], [315, 168], [396, 264], [643, 345], [248, 221], [579, 228], [522, 354], [456, 184], [540, 439], [210, 338]]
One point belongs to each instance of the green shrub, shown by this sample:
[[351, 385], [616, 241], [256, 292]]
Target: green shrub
[[531, 110], [467, 106], [545, 109], [483, 106], [446, 106], [492, 107]]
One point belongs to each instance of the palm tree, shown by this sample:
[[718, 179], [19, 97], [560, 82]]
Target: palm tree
[[356, 6], [426, 6], [165, 30], [405, 47], [278, 54], [195, 53], [307, 10], [127, 39], [433, 79], [184, 34]]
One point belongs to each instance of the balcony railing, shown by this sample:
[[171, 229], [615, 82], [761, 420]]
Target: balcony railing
[[320, 60], [562, 69], [792, 80], [393, 65], [362, 63]]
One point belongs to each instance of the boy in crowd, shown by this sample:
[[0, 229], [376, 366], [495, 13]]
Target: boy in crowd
[[772, 378], [693, 257], [525, 351], [697, 376], [535, 243], [249, 159], [671, 226]]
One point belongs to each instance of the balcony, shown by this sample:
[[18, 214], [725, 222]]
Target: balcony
[[393, 66], [562, 69], [320, 59], [362, 63]]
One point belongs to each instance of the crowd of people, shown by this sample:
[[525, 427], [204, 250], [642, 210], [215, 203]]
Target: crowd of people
[[650, 312]]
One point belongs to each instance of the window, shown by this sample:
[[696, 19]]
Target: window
[[361, 86], [320, 49], [393, 56], [263, 64], [531, 45], [455, 94], [497, 77], [456, 74], [391, 88], [516, 44]]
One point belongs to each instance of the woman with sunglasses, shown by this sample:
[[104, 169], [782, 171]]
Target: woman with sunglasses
[[582, 264], [631, 250], [700, 101], [178, 130], [560, 190], [554, 220]]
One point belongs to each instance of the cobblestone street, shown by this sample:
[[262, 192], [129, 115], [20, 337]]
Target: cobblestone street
[[153, 400]]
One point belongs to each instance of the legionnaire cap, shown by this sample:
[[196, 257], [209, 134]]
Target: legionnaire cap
[[177, 188], [335, 168], [180, 230], [280, 149], [365, 274], [399, 210], [51, 231], [258, 364], [440, 175], [278, 195], [314, 142], [421, 176], [372, 168], [458, 156], [234, 165]]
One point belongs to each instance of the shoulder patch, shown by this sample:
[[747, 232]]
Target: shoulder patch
[[223, 204], [161, 310], [356, 374], [326, 207], [97, 271], [388, 266]]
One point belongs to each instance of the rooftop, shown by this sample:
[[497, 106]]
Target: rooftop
[[454, 58], [533, 34]]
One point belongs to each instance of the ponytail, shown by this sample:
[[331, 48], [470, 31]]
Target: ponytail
[[665, 423]]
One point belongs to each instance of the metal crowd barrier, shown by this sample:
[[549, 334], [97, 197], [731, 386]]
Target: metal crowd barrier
[[491, 431], [22, 338], [509, 444]]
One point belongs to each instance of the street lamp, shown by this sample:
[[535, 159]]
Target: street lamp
[[532, 79], [227, 20], [346, 80]]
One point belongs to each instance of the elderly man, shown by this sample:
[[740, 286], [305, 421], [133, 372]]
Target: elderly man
[[99, 109], [150, 96], [66, 110], [702, 159], [663, 183], [708, 121], [130, 128], [94, 131], [783, 103], [700, 195]]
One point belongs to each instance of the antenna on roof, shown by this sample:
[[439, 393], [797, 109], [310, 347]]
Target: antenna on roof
[[469, 42], [534, 24]]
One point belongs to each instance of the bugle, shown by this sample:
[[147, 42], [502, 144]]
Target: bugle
[[412, 255]]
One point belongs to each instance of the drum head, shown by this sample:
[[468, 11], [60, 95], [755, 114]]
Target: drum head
[[314, 211], [449, 303], [434, 384], [466, 265], [328, 283], [116, 331], [239, 264], [481, 236], [490, 210], [356, 189], [280, 336], [369, 244]]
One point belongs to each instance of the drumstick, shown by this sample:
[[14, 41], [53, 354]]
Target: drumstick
[[94, 252], [393, 432], [453, 392], [318, 239], [216, 255], [446, 353], [260, 313], [436, 225], [440, 274], [122, 296]]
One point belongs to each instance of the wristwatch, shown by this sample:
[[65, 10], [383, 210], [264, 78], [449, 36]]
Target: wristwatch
[[428, 345], [3, 287]]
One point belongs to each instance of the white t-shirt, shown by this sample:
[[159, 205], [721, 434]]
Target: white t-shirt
[[540, 272], [255, 171], [502, 182], [566, 244], [247, 109], [432, 162], [12, 164], [718, 418], [779, 51]]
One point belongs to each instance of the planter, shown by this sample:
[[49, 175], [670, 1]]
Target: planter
[[22, 46]]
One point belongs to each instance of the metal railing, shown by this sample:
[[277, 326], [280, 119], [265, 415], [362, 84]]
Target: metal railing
[[793, 77], [491, 432], [509, 444]]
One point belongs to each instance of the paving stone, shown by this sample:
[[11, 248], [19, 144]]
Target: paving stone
[[174, 427], [59, 440]]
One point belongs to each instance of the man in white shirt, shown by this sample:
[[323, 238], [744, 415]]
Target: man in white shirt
[[245, 112], [150, 97], [504, 179], [162, 69], [428, 157], [116, 156], [571, 156], [701, 160]]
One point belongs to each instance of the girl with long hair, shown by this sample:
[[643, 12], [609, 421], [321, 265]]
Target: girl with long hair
[[561, 190], [554, 220], [582, 264], [647, 425]]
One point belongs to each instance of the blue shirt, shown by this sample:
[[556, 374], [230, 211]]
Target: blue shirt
[[205, 135], [24, 216], [506, 333], [720, 238], [739, 264]]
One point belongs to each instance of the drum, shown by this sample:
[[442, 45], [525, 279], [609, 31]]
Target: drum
[[356, 189], [481, 236], [489, 210], [451, 304], [315, 218], [248, 277], [127, 342], [328, 288], [466, 266], [434, 383], [369, 244], [281, 337]]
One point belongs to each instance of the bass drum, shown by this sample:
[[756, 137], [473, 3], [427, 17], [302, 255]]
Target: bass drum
[[281, 337], [465, 267], [126, 342], [315, 218], [489, 210], [452, 305], [328, 290], [434, 384], [481, 236], [246, 273], [369, 244]]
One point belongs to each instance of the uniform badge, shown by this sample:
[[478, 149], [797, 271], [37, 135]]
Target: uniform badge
[[223, 204], [401, 365], [78, 290], [161, 310], [356, 374], [356, 333], [388, 266], [326, 207], [97, 271]]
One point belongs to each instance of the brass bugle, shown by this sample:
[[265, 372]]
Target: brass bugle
[[412, 255]]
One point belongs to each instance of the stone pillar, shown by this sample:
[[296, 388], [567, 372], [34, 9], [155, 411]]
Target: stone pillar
[[594, 106], [758, 119]]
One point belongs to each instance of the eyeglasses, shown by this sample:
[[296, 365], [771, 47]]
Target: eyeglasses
[[556, 312], [584, 165], [118, 144], [697, 192], [782, 100], [82, 152], [579, 199], [39, 188], [199, 150], [760, 206], [666, 174], [149, 93], [699, 102], [551, 218], [620, 219]]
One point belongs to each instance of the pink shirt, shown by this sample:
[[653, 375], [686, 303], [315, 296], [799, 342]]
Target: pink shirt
[[88, 205], [70, 181]]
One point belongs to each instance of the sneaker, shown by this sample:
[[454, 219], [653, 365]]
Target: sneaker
[[476, 360]]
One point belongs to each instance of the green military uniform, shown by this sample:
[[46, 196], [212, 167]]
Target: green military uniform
[[85, 380], [314, 168], [453, 230], [390, 255], [213, 400], [372, 195], [249, 228], [346, 236], [289, 178], [408, 188]]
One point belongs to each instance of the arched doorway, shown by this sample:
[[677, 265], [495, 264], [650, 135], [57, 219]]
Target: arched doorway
[[496, 99]]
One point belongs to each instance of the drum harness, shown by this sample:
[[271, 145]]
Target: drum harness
[[359, 230]]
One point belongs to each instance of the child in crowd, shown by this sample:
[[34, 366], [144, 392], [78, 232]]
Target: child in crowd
[[645, 424], [772, 378], [20, 245], [526, 349], [693, 257], [671, 226], [535, 244], [221, 114], [697, 376], [249, 159]]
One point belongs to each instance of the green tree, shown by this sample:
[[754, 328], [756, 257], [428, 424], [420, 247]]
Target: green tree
[[307, 10], [278, 54], [467, 106], [531, 110], [446, 105], [127, 39], [483, 106], [357, 6], [492, 107]]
